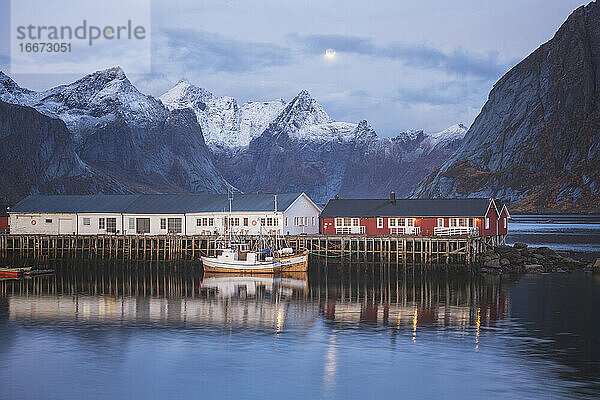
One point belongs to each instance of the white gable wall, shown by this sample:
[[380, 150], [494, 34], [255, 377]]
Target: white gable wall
[[40, 223], [302, 216]]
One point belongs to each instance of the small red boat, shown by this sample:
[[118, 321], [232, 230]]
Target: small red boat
[[8, 272]]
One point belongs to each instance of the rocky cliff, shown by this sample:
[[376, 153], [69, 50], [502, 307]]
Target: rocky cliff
[[38, 156], [536, 142]]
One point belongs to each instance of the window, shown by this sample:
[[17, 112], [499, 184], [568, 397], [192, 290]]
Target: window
[[339, 222], [234, 221], [401, 222], [410, 221], [380, 222], [132, 223], [269, 221], [312, 222], [263, 222], [174, 225], [101, 223], [49, 220], [505, 223], [453, 222], [286, 221], [487, 222], [440, 222], [211, 222], [392, 222], [86, 221], [111, 225], [163, 223], [462, 222], [246, 221]]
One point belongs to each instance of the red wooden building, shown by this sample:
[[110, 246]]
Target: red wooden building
[[426, 217], [3, 219]]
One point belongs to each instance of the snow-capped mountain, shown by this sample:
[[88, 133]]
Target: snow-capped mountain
[[139, 143], [224, 123], [126, 134], [304, 149]]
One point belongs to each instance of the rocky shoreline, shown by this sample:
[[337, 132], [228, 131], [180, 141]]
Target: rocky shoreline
[[521, 258]]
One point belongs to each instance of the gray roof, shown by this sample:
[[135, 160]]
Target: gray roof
[[152, 203], [406, 208]]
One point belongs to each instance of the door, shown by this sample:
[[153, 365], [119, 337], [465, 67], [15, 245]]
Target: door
[[142, 225], [65, 227]]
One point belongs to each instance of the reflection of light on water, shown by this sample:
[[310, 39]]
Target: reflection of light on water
[[330, 364], [477, 331], [280, 320], [415, 318]]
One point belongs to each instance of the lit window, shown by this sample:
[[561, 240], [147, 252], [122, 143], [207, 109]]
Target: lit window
[[487, 222], [86, 221], [100, 223], [505, 223], [380, 222]]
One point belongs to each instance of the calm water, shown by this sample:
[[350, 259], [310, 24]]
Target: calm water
[[578, 233], [121, 331]]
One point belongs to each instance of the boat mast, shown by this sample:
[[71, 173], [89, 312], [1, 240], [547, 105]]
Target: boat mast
[[230, 198], [275, 218]]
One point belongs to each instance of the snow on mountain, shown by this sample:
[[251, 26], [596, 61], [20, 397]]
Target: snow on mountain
[[121, 131], [224, 123], [448, 135]]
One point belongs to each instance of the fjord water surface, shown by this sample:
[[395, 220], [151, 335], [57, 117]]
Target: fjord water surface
[[114, 330]]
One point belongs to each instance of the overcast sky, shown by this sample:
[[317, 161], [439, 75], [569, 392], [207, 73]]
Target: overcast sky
[[399, 64]]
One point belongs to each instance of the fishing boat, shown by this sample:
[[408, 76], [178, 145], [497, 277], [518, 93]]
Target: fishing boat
[[235, 259], [269, 256]]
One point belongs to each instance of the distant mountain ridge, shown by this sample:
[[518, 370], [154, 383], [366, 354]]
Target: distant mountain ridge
[[536, 142], [190, 140]]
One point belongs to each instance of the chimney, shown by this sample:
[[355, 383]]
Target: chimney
[[393, 197]]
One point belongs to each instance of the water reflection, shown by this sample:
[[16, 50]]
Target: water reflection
[[325, 332], [144, 292]]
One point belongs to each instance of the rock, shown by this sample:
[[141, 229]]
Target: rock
[[533, 267], [535, 141], [504, 262], [495, 263], [520, 245], [596, 265], [546, 251]]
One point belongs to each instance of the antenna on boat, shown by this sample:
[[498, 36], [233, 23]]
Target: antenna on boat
[[230, 198]]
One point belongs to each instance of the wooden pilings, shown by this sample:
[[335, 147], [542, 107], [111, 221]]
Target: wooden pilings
[[390, 249]]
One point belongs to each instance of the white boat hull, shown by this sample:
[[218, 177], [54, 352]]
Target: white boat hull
[[293, 263]]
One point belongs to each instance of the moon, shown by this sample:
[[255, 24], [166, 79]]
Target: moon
[[330, 53]]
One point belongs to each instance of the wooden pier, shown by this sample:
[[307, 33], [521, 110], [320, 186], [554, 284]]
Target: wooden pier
[[397, 249]]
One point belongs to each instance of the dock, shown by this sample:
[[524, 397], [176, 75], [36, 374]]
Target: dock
[[396, 249]]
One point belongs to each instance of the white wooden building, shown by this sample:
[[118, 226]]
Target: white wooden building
[[161, 214]]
